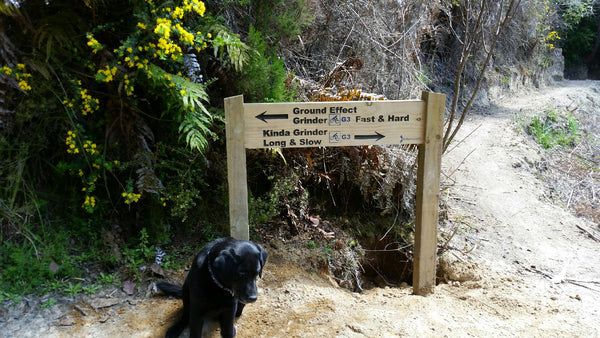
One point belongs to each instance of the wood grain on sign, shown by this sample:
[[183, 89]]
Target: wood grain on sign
[[330, 124]]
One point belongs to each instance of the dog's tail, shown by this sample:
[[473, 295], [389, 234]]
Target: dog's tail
[[171, 289]]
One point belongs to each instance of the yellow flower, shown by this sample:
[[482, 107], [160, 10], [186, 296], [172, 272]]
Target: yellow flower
[[195, 5], [94, 44], [177, 13], [108, 73], [141, 25], [89, 203], [24, 86], [184, 35], [163, 27]]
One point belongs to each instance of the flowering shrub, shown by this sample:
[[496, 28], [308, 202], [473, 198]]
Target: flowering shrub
[[17, 74], [87, 165], [113, 125], [149, 57]]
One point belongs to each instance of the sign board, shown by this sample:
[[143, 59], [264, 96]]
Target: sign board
[[330, 124], [350, 123]]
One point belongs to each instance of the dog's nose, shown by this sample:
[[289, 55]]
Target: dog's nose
[[248, 299]]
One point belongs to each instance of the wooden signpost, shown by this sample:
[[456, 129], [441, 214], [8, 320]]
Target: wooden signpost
[[344, 123]]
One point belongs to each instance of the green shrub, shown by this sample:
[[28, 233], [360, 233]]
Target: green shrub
[[263, 79], [551, 130], [285, 191], [278, 19], [580, 30], [29, 262]]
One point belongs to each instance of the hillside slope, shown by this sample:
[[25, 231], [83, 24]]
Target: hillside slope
[[519, 264]]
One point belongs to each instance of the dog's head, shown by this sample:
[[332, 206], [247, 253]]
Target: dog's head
[[237, 266]]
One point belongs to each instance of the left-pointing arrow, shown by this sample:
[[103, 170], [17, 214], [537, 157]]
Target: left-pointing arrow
[[264, 116], [377, 136]]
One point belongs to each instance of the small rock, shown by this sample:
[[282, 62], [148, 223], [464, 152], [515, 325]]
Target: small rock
[[129, 287], [157, 270], [53, 267], [66, 321], [453, 269]]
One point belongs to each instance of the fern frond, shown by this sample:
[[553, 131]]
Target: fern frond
[[226, 41], [194, 119], [54, 33]]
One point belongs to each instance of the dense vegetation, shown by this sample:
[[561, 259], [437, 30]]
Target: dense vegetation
[[111, 121], [581, 41], [111, 128]]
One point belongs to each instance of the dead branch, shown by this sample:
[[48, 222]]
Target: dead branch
[[467, 51], [461, 162], [565, 280], [589, 233]]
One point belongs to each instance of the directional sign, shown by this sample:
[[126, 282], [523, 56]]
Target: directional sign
[[329, 124]]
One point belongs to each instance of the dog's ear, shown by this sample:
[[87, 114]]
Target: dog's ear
[[203, 254], [201, 258], [224, 264], [263, 258]]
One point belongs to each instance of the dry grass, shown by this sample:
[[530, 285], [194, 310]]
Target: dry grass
[[573, 174]]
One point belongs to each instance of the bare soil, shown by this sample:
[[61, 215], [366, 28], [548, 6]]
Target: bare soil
[[518, 264]]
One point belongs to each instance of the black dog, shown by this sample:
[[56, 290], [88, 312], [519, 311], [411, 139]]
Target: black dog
[[221, 281]]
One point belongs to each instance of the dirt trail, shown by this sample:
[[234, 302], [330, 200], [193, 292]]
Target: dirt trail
[[529, 254]]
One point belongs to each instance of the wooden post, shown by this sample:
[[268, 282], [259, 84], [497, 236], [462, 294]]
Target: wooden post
[[236, 167], [428, 188]]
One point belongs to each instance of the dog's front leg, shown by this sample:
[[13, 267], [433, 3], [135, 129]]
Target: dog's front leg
[[196, 321], [227, 322], [240, 308]]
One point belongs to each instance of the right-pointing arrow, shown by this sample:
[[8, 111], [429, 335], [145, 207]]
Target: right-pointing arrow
[[377, 136]]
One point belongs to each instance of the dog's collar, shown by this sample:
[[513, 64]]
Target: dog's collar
[[214, 278]]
